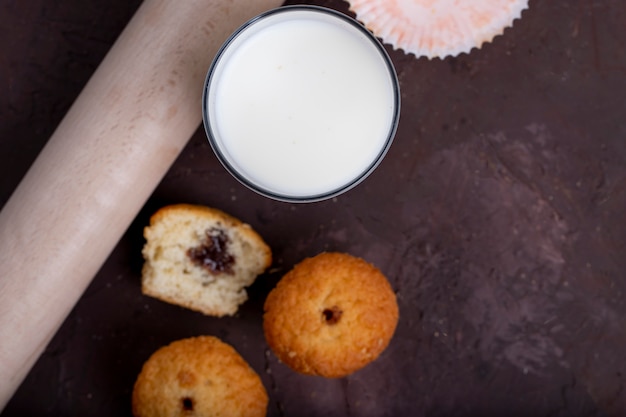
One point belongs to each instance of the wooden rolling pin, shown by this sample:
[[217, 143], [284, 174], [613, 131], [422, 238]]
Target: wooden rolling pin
[[97, 170]]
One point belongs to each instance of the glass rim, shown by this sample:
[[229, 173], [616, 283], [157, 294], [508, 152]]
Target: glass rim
[[212, 137]]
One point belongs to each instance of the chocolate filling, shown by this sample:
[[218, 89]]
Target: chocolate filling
[[332, 315], [212, 254], [187, 404]]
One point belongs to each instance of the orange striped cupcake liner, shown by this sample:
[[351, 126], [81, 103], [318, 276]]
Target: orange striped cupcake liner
[[437, 28]]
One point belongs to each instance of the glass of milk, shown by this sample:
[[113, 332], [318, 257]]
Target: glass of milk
[[301, 103]]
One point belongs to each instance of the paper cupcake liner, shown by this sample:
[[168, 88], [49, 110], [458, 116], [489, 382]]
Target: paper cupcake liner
[[437, 28]]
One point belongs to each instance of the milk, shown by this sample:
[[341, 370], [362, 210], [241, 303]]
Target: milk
[[301, 104]]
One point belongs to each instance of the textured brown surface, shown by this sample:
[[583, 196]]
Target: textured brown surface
[[497, 215], [198, 376], [331, 315]]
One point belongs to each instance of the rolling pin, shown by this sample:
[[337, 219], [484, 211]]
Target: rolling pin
[[101, 164]]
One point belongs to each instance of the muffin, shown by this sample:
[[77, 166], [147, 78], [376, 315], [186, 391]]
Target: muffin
[[201, 258], [331, 315], [198, 376]]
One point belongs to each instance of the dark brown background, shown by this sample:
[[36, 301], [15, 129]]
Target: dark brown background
[[498, 216]]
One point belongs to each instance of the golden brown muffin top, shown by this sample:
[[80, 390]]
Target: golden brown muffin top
[[330, 315], [199, 376]]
